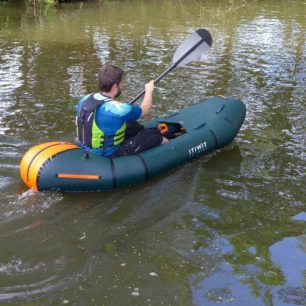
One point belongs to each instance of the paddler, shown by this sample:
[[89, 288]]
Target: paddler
[[108, 127]]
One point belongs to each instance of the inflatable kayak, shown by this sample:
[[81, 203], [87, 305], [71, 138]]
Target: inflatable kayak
[[194, 131]]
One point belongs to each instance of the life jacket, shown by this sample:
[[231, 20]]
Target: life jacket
[[89, 133]]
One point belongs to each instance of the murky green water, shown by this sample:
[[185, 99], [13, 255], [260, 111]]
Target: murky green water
[[225, 230]]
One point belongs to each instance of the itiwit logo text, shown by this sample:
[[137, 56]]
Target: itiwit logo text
[[197, 150]]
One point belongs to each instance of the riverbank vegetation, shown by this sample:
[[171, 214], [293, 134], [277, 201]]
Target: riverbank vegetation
[[63, 1], [38, 2], [42, 1]]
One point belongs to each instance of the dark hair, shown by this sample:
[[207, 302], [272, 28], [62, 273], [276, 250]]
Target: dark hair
[[108, 76]]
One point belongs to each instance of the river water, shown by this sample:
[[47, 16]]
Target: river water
[[228, 229]]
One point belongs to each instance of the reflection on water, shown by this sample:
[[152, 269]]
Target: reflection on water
[[225, 229]]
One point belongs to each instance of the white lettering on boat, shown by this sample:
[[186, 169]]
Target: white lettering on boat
[[198, 149]]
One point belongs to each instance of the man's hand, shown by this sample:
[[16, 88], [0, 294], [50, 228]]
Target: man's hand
[[149, 87]]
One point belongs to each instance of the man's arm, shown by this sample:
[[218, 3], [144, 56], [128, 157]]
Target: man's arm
[[147, 101]]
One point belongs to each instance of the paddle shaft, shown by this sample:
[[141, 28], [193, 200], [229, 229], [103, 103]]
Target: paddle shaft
[[170, 68]]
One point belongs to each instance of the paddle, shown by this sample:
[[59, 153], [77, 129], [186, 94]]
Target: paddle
[[191, 49]]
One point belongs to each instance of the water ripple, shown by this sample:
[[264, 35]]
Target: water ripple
[[11, 75]]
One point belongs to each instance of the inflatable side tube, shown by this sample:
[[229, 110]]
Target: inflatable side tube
[[34, 160]]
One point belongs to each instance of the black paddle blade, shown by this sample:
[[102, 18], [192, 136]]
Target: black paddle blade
[[205, 36]]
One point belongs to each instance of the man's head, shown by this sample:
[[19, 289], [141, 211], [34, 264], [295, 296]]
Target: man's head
[[109, 76]]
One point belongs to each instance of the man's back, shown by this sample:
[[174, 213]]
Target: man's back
[[110, 118]]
